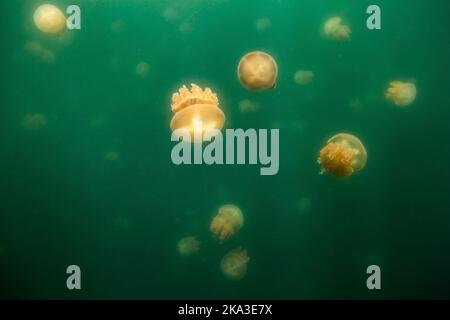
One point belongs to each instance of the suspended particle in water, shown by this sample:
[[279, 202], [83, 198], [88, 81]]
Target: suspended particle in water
[[188, 246], [227, 222], [343, 155], [49, 19], [33, 121], [257, 70], [335, 29], [400, 93], [196, 110], [234, 264], [303, 77]]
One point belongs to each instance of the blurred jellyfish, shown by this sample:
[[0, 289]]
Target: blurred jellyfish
[[400, 93], [112, 156], [142, 69], [33, 121], [196, 109], [246, 106], [303, 205], [343, 155], [263, 24], [117, 26], [170, 14], [39, 52], [122, 223], [185, 27], [49, 19], [234, 264], [227, 222], [303, 77], [258, 71], [335, 29], [188, 246], [355, 103]]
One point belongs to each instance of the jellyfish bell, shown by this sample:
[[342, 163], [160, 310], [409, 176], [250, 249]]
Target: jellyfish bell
[[49, 19], [334, 28], [227, 222], [196, 110], [234, 264], [400, 93], [257, 70], [343, 155], [188, 246]]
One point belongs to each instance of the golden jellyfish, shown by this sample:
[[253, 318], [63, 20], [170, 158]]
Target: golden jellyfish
[[227, 222], [303, 77], [400, 93], [234, 264], [33, 121], [334, 28], [196, 110], [257, 70], [343, 155], [263, 24], [246, 106], [49, 19], [188, 246]]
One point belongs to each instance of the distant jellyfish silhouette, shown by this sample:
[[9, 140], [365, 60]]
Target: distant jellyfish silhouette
[[343, 155], [402, 94], [263, 24], [258, 70], [196, 110], [112, 156], [227, 222], [335, 29], [247, 105], [303, 77], [33, 121], [188, 246], [234, 264], [49, 19], [38, 51], [142, 69]]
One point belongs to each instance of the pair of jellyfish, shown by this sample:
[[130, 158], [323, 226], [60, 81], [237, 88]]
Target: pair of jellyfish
[[335, 29], [49, 19]]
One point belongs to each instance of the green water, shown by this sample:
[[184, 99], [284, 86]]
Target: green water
[[307, 235]]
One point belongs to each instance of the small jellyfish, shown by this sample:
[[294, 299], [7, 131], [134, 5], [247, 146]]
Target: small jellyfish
[[49, 19], [246, 106], [112, 156], [170, 14], [142, 69], [343, 155], [303, 77], [263, 24], [185, 27], [304, 205], [258, 71], [33, 121], [234, 264], [117, 26], [39, 52], [196, 110], [335, 29], [400, 93], [355, 103], [188, 246], [227, 222]]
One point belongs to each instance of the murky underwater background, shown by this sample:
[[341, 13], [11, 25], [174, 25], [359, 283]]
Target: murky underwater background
[[90, 182]]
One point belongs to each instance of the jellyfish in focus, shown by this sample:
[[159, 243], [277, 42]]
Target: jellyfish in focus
[[248, 106], [188, 246], [49, 19], [39, 52], [142, 69], [400, 93], [334, 28], [112, 156], [343, 155], [258, 71], [33, 121], [303, 77], [227, 222], [234, 264], [196, 110], [263, 24]]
